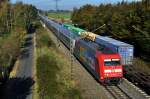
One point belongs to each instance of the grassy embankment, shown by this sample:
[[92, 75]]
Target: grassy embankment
[[59, 15], [53, 70], [141, 65]]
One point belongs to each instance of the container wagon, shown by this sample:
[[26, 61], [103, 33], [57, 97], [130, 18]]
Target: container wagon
[[125, 50]]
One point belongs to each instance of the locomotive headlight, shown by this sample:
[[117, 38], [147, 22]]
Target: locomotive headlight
[[107, 71]]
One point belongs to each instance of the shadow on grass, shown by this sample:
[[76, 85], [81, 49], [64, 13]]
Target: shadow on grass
[[18, 88]]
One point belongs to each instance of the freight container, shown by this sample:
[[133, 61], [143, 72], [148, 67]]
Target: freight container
[[67, 25], [73, 29], [125, 50], [77, 31]]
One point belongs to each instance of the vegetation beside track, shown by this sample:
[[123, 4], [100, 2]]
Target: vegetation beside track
[[60, 16], [141, 65], [16, 20], [53, 70]]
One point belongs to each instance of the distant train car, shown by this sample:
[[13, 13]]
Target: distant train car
[[102, 62], [67, 37], [63, 34], [125, 50]]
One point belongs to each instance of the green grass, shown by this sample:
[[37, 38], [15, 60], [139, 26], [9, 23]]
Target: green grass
[[60, 15], [53, 77], [141, 65], [53, 71], [43, 38]]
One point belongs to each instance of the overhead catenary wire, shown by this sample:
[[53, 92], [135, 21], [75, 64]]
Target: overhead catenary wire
[[99, 27]]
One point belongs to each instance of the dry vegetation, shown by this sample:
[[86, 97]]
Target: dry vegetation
[[53, 71]]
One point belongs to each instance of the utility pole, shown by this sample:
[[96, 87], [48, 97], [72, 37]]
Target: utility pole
[[56, 5], [71, 55]]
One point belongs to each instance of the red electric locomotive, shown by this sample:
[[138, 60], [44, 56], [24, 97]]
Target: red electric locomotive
[[103, 63]]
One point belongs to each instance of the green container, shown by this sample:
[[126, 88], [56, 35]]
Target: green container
[[74, 29], [77, 30], [68, 26]]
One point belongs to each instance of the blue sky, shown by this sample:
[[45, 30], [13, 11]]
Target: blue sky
[[66, 4]]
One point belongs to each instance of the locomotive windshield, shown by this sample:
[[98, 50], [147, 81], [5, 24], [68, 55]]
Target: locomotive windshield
[[111, 62]]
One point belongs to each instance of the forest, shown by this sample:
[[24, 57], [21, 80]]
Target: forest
[[16, 20], [128, 22]]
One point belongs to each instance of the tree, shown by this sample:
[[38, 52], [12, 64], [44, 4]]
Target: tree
[[5, 17]]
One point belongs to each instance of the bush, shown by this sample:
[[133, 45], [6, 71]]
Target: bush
[[53, 72], [53, 78], [43, 38]]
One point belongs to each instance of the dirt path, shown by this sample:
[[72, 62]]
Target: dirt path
[[19, 86]]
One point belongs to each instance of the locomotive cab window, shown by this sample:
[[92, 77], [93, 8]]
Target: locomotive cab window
[[111, 62]]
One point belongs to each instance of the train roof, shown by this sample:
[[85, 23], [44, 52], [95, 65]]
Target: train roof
[[68, 33], [67, 25], [114, 42], [78, 30], [101, 48]]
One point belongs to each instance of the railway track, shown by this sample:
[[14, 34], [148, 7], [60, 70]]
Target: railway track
[[117, 92], [138, 78], [125, 90]]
